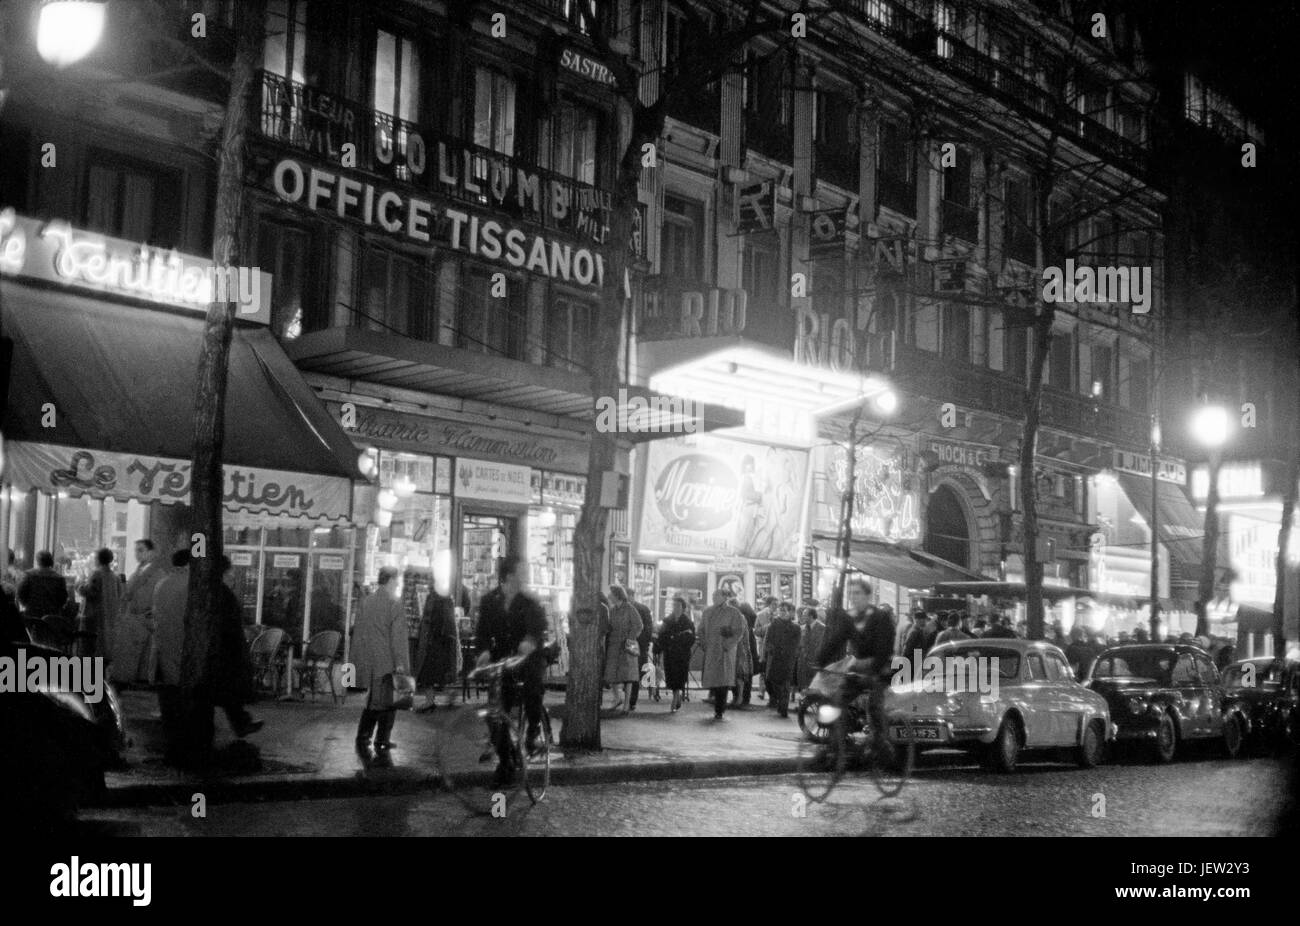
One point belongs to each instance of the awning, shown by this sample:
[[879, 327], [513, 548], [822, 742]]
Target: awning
[[951, 571], [1180, 526], [1254, 620], [96, 375], [1018, 590], [407, 363], [885, 561]]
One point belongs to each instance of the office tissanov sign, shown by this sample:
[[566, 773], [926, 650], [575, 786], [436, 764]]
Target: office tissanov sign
[[104, 474], [413, 218], [55, 252]]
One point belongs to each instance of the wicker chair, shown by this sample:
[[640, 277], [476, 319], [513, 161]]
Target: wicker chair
[[269, 662], [321, 655]]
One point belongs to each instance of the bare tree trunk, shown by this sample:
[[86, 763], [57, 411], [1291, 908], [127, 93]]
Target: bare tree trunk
[[1283, 548], [206, 477], [1209, 549]]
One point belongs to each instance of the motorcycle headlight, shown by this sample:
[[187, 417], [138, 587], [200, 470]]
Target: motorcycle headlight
[[827, 714], [1136, 705]]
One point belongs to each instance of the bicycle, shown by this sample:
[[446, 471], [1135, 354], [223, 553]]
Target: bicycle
[[844, 739], [462, 737]]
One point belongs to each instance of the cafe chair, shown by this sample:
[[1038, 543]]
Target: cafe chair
[[320, 656], [268, 658]]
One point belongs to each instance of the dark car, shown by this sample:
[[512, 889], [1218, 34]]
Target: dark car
[[57, 748], [1270, 688], [1164, 695]]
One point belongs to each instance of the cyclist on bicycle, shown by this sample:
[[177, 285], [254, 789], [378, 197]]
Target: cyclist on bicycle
[[512, 622], [868, 632]]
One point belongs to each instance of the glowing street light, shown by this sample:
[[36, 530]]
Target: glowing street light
[[887, 401], [1211, 426], [69, 30]]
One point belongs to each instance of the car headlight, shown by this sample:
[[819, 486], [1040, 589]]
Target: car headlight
[[957, 703], [1136, 705], [827, 714]]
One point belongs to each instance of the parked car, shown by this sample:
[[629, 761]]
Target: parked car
[[1270, 687], [1164, 695], [57, 748], [1037, 705]]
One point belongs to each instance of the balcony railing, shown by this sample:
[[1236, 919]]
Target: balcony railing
[[946, 50], [929, 374], [319, 124]]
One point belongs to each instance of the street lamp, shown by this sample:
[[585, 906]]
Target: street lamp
[[68, 30], [887, 401], [1211, 426]]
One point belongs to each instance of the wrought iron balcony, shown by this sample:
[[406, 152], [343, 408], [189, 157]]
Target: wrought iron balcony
[[919, 36], [304, 119], [931, 375]]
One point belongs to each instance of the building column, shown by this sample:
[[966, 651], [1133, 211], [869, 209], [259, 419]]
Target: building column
[[447, 284]]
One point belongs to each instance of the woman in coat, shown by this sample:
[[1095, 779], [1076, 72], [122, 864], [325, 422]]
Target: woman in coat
[[438, 655], [622, 652], [379, 648], [675, 642]]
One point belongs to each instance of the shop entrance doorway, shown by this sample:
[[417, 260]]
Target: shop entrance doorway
[[485, 539]]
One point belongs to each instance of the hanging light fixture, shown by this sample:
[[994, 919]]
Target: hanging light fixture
[[68, 30]]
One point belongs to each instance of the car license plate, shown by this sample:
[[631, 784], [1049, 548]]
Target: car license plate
[[916, 733]]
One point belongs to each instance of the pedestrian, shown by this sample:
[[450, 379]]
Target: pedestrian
[[722, 633], [1079, 653], [747, 657], [933, 625], [438, 652], [643, 644], [622, 651], [981, 628], [674, 644], [12, 577], [1000, 629], [765, 618], [379, 648], [133, 657], [169, 598], [953, 630], [1140, 635], [43, 590], [103, 595], [811, 634], [744, 656], [916, 634], [782, 650]]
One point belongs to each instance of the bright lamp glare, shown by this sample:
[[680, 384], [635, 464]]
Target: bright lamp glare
[[69, 30], [887, 401], [1211, 425]]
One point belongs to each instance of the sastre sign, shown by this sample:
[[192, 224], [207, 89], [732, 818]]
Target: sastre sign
[[416, 219]]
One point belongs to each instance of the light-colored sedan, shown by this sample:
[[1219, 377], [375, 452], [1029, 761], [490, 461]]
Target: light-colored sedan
[[1027, 700]]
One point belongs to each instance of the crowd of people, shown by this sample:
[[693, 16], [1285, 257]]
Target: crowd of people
[[136, 624]]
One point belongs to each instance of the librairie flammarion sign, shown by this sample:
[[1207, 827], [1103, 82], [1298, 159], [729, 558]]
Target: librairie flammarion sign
[[102, 474], [55, 252]]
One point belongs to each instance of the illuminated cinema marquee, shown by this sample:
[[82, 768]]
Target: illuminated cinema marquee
[[419, 220]]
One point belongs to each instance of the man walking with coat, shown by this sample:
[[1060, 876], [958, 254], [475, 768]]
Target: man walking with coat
[[722, 631], [133, 636], [782, 649], [379, 647]]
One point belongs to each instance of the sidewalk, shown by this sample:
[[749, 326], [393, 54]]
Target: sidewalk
[[307, 750]]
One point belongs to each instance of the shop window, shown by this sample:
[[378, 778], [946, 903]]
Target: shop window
[[396, 94], [132, 200], [494, 111], [491, 324], [759, 275], [685, 41], [925, 322], [1061, 361], [1102, 386], [836, 138], [394, 294], [284, 59], [956, 332], [1018, 234], [681, 252], [896, 168], [569, 334], [285, 252], [958, 213], [769, 104], [576, 137]]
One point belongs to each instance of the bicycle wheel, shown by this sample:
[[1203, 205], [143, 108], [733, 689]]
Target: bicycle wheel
[[891, 769], [540, 779], [822, 764], [464, 758]]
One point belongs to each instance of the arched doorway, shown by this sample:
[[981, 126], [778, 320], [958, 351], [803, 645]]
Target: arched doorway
[[947, 531]]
